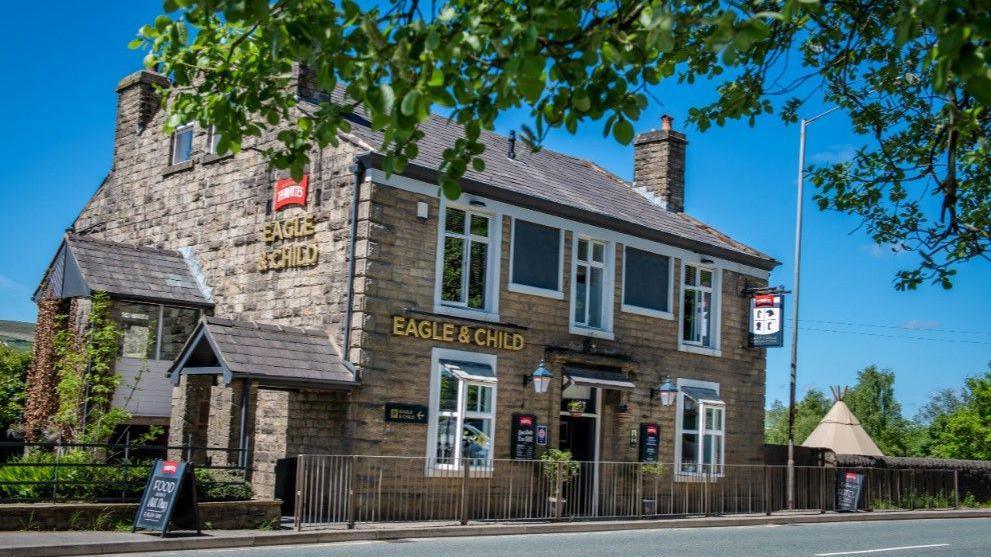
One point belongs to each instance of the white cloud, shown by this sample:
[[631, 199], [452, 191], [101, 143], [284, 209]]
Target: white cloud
[[920, 325], [879, 251], [835, 154]]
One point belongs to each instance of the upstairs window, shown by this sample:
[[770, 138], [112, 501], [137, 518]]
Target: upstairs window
[[464, 280], [590, 278], [182, 144], [213, 141], [536, 261], [698, 311], [646, 284]]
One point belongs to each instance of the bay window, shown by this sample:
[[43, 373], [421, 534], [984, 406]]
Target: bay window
[[465, 260], [699, 311], [701, 426], [462, 411]]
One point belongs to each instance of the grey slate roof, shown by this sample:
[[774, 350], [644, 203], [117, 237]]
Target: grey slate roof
[[276, 353], [129, 271], [563, 180]]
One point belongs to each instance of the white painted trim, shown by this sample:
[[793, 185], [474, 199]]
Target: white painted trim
[[717, 297], [192, 137], [608, 288], [534, 290], [432, 469], [648, 312], [679, 408], [492, 272], [575, 227]]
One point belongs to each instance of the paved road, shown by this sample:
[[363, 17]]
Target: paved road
[[910, 538]]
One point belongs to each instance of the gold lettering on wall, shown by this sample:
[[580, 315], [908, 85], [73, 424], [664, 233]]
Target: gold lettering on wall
[[428, 329], [296, 255]]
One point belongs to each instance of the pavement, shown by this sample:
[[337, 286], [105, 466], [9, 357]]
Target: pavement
[[967, 531]]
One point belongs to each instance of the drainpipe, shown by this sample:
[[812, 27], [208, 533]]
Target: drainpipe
[[358, 168]]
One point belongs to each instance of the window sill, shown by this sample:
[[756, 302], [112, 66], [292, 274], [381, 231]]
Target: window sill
[[467, 313], [647, 312], [178, 167], [700, 350], [589, 332], [454, 471], [535, 291], [212, 158]]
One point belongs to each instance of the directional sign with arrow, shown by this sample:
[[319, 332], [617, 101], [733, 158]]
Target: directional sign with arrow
[[405, 413]]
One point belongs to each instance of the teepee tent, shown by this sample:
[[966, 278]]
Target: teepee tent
[[841, 432]]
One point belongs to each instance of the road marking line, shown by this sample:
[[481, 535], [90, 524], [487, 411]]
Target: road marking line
[[882, 549]]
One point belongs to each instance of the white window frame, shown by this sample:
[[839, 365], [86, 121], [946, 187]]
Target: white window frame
[[211, 141], [608, 267], [175, 144], [716, 291], [701, 431], [433, 468], [557, 294], [491, 312], [648, 312]]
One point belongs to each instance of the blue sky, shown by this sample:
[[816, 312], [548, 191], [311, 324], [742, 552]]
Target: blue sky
[[58, 105]]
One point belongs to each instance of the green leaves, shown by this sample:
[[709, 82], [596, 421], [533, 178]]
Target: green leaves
[[907, 72]]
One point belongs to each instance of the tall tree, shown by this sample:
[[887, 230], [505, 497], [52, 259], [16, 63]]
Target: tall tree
[[966, 431], [808, 413], [913, 75], [873, 401]]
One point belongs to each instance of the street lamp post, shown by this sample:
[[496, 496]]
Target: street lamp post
[[794, 330]]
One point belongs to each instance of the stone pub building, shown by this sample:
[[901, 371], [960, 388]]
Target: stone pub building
[[356, 312]]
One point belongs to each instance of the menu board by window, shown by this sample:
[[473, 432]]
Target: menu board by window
[[650, 439], [169, 496], [848, 488], [523, 437]]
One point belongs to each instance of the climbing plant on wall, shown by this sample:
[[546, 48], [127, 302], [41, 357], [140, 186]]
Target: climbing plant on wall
[[85, 362]]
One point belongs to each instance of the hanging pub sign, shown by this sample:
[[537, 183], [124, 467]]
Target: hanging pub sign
[[169, 496], [848, 489], [289, 192], [650, 437], [766, 321], [523, 437]]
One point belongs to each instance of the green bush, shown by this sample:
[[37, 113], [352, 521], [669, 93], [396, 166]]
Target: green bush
[[80, 480], [221, 485]]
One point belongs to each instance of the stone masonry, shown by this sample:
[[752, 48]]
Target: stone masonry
[[218, 205]]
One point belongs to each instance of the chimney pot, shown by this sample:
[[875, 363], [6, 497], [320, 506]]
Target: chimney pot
[[666, 123]]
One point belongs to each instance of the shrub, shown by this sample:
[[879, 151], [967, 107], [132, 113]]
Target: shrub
[[221, 485]]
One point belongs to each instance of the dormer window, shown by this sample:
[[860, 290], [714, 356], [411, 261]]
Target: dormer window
[[182, 144]]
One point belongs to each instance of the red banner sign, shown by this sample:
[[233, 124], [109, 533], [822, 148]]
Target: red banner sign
[[170, 466], [764, 300], [289, 192]]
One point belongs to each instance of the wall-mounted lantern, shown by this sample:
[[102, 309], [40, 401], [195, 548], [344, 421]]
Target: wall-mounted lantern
[[667, 392], [541, 378]]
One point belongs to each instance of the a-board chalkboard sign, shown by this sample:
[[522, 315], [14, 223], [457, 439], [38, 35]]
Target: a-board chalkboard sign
[[650, 436], [848, 487], [169, 496], [524, 437]]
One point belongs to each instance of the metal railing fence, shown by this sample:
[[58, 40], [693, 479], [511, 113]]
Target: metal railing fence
[[100, 472], [349, 489]]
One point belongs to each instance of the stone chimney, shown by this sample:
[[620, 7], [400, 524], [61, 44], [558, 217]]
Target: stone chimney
[[137, 104], [659, 166]]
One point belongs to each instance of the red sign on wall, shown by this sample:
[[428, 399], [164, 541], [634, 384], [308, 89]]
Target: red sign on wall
[[289, 192]]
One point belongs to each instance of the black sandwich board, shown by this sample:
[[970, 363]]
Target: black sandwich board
[[523, 440], [169, 496], [848, 487]]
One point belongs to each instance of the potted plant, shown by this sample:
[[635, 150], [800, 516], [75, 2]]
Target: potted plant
[[558, 467], [649, 474], [576, 407]]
